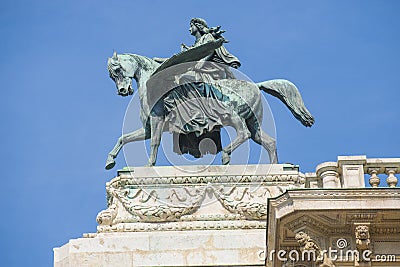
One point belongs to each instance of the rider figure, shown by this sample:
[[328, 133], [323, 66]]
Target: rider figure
[[204, 34], [197, 106], [221, 56]]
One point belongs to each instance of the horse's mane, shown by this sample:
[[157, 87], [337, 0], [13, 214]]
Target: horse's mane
[[145, 63], [111, 66]]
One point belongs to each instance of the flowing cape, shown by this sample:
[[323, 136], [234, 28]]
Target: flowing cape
[[193, 54]]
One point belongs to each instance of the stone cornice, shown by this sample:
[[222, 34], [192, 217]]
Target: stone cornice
[[345, 199], [181, 226], [167, 175], [337, 194]]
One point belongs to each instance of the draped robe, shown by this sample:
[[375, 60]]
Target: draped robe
[[196, 107]]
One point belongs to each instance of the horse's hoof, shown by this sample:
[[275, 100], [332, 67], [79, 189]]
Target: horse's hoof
[[149, 165], [274, 159], [225, 159], [110, 163]]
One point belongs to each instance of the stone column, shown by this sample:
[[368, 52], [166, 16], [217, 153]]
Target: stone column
[[329, 174]]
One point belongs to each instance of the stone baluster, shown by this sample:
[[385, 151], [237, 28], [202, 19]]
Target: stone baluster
[[391, 180], [374, 180]]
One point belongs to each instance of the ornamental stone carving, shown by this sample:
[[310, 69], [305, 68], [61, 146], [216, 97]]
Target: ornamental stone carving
[[250, 204], [140, 195], [362, 237], [362, 243], [308, 244], [149, 206], [106, 217]]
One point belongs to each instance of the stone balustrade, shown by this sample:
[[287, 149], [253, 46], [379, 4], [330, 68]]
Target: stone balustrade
[[349, 172], [388, 166]]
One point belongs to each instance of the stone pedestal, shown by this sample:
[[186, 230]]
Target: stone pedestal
[[183, 216], [242, 247]]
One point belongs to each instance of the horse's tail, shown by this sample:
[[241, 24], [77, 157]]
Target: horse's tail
[[288, 93]]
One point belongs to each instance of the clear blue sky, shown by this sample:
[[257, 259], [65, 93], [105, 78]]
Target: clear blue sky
[[61, 115]]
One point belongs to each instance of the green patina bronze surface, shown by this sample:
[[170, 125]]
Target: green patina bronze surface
[[194, 93]]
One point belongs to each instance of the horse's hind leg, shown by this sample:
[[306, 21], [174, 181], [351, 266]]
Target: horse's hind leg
[[137, 135], [242, 134], [269, 143]]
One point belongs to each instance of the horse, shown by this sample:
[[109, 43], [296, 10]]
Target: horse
[[124, 68]]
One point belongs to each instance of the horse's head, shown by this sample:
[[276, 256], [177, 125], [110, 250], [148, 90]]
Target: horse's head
[[121, 72]]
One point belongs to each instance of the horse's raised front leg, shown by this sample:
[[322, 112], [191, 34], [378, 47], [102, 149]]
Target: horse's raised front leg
[[242, 134], [157, 127], [268, 143], [137, 135]]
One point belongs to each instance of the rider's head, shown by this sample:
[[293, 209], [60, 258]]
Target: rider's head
[[200, 24]]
